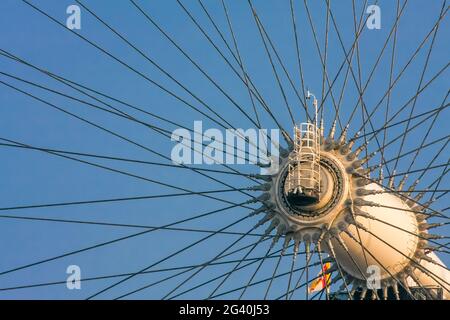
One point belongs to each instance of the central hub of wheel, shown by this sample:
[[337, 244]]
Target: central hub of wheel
[[310, 196], [322, 195], [332, 180], [308, 219]]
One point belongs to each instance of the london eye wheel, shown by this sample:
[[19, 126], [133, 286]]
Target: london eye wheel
[[223, 149]]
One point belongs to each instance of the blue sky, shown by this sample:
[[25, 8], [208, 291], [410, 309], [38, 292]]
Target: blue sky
[[32, 177]]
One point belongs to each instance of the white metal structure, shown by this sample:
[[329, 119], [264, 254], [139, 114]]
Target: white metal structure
[[304, 166]]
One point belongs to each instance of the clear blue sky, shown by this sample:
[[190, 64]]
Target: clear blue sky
[[33, 177]]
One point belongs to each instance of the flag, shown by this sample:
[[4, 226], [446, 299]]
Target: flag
[[322, 281]]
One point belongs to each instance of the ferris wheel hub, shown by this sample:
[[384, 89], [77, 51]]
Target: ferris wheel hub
[[339, 206]]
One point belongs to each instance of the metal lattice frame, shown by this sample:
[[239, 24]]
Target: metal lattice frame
[[304, 169]]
